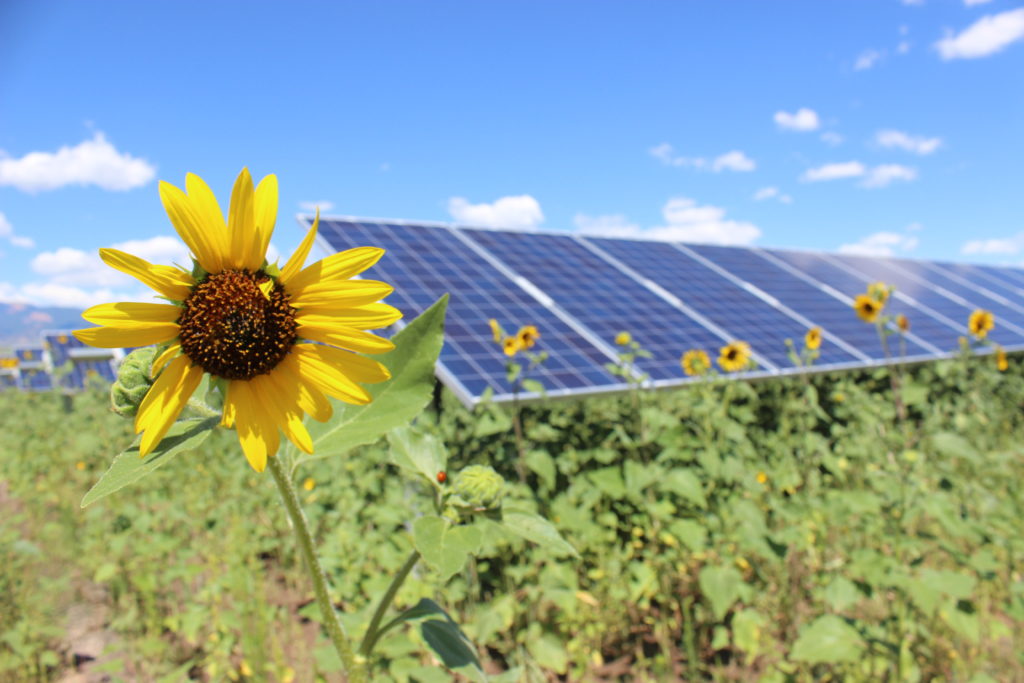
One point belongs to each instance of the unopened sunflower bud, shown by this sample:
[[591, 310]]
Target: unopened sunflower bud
[[479, 487], [133, 381]]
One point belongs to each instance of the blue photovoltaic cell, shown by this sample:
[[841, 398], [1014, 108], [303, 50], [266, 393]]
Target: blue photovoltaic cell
[[60, 345], [422, 263], [1011, 277], [601, 297], [36, 380], [8, 382], [743, 315], [31, 355], [807, 299], [981, 276], [917, 282], [933, 330]]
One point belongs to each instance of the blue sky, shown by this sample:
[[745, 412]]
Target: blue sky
[[883, 126]]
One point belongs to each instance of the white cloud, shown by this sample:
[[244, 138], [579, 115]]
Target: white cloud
[[912, 143], [91, 162], [985, 37], [835, 171], [324, 205], [69, 267], [614, 225], [913, 2], [730, 161], [972, 3], [769, 193], [1006, 245], [867, 59], [832, 138], [7, 233], [883, 175], [518, 212], [803, 120], [733, 161], [903, 48], [881, 244]]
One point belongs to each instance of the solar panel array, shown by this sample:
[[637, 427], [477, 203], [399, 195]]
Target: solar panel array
[[62, 362], [581, 291]]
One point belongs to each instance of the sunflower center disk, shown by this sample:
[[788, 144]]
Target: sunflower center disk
[[230, 329]]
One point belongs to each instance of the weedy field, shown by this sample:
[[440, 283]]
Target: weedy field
[[808, 528]]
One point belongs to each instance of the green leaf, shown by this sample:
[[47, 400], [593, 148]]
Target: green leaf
[[449, 642], [841, 593], [747, 627], [685, 484], [533, 386], [721, 586], [543, 465], [418, 452], [395, 402], [538, 530], [549, 652], [128, 467], [827, 640], [443, 547]]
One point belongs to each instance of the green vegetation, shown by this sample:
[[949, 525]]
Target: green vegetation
[[799, 529]]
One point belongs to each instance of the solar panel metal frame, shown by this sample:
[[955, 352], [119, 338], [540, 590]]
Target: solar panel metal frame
[[450, 379]]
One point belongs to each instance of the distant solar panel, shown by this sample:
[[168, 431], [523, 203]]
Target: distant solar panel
[[425, 262], [36, 379], [582, 291], [29, 356], [85, 361], [8, 380]]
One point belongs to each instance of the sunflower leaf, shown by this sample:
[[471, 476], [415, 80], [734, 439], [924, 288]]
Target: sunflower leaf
[[128, 467], [395, 402]]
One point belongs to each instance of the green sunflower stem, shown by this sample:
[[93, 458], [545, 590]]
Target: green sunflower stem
[[355, 666], [373, 631]]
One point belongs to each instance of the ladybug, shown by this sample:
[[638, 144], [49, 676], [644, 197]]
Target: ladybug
[[442, 477]]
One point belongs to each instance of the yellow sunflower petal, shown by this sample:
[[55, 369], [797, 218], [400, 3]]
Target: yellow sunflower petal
[[242, 225], [279, 390], [356, 367], [158, 424], [340, 266], [190, 227], [310, 398], [207, 210], [163, 359], [159, 395], [265, 216], [173, 283], [321, 329], [299, 257], [345, 294], [113, 338], [229, 411], [127, 314], [331, 380], [365, 317], [250, 435]]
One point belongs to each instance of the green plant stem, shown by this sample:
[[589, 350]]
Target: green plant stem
[[373, 631], [355, 668]]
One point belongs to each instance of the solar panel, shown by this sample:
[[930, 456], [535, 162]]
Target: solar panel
[[30, 357], [8, 380], [938, 296], [716, 295], [602, 297], [79, 361], [815, 299], [426, 262], [36, 379], [982, 277]]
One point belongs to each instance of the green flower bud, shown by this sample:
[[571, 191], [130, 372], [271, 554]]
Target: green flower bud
[[479, 487], [133, 381]]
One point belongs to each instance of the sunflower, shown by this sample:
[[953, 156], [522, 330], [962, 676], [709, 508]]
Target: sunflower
[[867, 308], [527, 336], [981, 323], [812, 340], [695, 362], [879, 291], [1001, 362], [734, 356], [903, 323], [495, 330], [277, 340], [510, 346], [623, 338]]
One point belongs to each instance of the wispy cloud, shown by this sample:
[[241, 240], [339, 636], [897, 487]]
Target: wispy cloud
[[867, 59], [999, 245], [917, 144], [986, 36], [684, 221], [323, 205], [734, 160], [833, 171], [832, 138], [881, 244], [803, 119], [91, 162], [875, 177], [520, 212], [886, 174], [772, 193], [7, 233]]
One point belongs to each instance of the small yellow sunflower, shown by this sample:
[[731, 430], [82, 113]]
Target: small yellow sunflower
[[495, 330], [734, 356], [527, 336], [695, 362], [510, 346], [879, 291], [280, 340], [812, 340], [623, 338], [1001, 363], [867, 308], [981, 323], [903, 323], [762, 478]]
